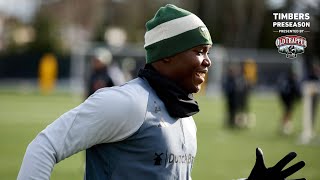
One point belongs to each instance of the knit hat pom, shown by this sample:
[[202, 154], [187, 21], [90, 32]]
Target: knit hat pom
[[173, 30]]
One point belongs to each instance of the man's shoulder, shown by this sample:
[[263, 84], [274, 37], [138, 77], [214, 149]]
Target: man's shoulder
[[127, 102], [137, 85], [133, 94]]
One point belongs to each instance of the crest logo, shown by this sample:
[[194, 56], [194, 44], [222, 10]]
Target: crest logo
[[205, 32], [291, 45]]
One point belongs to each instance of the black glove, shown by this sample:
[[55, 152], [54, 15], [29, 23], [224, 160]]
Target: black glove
[[260, 172]]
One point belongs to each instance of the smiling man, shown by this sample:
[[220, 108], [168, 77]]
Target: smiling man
[[143, 129]]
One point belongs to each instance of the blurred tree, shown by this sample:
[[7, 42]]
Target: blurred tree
[[243, 23], [9, 43], [233, 23], [46, 34], [40, 35]]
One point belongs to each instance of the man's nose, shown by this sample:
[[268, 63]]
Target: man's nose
[[206, 62]]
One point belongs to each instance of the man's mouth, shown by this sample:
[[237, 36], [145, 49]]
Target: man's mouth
[[201, 75]]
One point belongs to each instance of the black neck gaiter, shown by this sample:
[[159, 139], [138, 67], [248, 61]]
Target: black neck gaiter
[[178, 103]]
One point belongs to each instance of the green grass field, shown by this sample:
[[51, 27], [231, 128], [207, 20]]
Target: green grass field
[[222, 154]]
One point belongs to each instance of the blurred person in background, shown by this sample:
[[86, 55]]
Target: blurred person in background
[[143, 129], [48, 72], [99, 76], [251, 76], [315, 100], [235, 89], [116, 74], [314, 76], [289, 93]]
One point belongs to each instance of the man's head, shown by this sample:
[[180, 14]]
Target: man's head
[[177, 43], [101, 58]]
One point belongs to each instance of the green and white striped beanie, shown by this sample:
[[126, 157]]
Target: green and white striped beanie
[[173, 30]]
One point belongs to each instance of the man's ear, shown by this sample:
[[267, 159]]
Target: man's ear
[[162, 63]]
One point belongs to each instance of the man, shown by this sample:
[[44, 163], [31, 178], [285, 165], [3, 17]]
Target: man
[[144, 128], [235, 88], [289, 94], [99, 76]]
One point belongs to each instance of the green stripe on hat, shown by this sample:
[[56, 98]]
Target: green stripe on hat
[[173, 30], [164, 14]]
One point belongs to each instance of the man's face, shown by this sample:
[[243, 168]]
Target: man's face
[[190, 67]]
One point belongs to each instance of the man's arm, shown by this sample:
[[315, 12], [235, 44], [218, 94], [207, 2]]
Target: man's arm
[[107, 116]]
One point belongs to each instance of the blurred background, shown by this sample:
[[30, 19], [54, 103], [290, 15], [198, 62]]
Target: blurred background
[[69, 31], [47, 49]]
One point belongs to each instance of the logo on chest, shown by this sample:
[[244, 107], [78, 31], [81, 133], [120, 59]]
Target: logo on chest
[[157, 159], [171, 158]]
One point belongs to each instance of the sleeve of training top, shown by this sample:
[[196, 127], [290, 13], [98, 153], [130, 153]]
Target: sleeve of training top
[[107, 116]]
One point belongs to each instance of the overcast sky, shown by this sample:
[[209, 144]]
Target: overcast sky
[[22, 9]]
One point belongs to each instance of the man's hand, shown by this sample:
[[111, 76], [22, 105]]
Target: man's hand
[[260, 172]]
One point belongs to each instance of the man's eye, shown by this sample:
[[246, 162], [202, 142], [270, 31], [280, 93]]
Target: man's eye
[[200, 53]]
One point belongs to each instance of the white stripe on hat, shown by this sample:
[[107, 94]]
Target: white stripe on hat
[[172, 28]]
